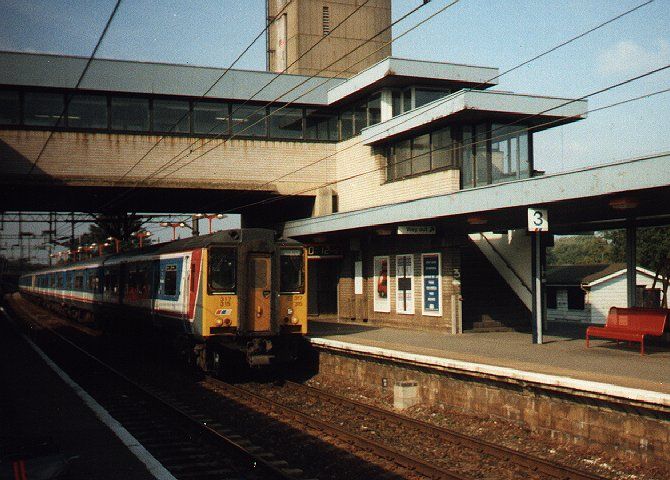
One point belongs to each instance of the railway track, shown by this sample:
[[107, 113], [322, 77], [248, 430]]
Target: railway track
[[188, 444], [488, 459]]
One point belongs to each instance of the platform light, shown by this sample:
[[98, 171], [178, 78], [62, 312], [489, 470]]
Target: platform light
[[624, 203], [477, 220]]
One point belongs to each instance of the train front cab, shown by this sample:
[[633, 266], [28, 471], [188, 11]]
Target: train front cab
[[253, 298]]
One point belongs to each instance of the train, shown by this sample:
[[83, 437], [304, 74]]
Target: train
[[239, 293]]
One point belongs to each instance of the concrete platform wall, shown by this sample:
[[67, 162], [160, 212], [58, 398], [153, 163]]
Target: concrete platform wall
[[628, 429]]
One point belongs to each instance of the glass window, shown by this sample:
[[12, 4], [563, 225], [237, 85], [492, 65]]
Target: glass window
[[575, 298], [291, 271], [421, 154], [249, 120], [481, 160], [130, 114], [402, 153], [360, 120], [43, 109], [347, 124], [396, 102], [441, 149], [468, 160], [87, 111], [285, 123], [320, 125], [10, 108], [375, 109], [406, 100], [211, 118], [423, 96], [171, 116], [170, 280], [222, 268], [509, 153], [524, 155]]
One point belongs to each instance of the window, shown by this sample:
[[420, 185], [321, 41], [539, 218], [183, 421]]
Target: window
[[423, 96], [481, 156], [468, 159], [509, 153], [441, 149], [10, 108], [222, 270], [170, 280], [291, 271], [285, 123], [401, 163], [79, 282], [211, 118], [325, 20], [551, 297], [375, 109], [171, 116], [575, 298], [421, 154], [249, 120], [130, 114], [320, 125], [43, 109], [347, 124], [360, 117], [396, 103], [87, 111]]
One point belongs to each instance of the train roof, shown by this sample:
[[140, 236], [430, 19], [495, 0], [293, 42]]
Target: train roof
[[181, 245]]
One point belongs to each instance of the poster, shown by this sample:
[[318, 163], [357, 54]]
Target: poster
[[404, 293], [431, 284], [380, 285]]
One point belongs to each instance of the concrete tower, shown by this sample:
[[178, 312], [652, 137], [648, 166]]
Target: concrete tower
[[303, 22]]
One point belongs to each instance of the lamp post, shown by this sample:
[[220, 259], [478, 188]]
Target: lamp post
[[141, 235], [210, 217], [174, 226], [117, 242]]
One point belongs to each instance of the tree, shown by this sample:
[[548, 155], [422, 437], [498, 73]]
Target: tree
[[580, 250], [653, 253], [117, 225]]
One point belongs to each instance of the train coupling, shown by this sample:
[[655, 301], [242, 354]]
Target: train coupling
[[259, 352]]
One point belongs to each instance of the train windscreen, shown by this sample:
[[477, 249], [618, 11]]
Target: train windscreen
[[291, 271], [222, 269]]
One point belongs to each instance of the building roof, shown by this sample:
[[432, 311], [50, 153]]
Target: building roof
[[581, 274], [401, 72], [60, 71], [575, 198], [475, 105]]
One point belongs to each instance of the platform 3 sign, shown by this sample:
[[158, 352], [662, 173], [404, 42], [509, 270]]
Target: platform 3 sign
[[431, 284], [538, 220]]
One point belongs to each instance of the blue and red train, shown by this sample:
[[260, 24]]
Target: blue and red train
[[238, 290]]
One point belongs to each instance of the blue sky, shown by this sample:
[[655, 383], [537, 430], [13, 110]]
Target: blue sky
[[497, 33]]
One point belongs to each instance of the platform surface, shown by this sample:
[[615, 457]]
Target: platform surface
[[563, 354], [37, 407]]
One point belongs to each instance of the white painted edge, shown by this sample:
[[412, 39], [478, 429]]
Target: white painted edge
[[627, 393], [154, 466]]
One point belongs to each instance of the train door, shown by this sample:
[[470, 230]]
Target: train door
[[260, 292]]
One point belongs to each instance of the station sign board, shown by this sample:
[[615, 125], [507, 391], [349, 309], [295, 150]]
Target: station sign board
[[324, 251], [416, 230], [538, 220], [431, 267]]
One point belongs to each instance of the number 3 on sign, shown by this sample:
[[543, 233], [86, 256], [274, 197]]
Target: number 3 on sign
[[538, 220]]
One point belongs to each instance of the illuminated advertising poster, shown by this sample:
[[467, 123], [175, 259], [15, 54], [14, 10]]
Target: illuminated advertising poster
[[380, 285], [431, 285], [404, 292]]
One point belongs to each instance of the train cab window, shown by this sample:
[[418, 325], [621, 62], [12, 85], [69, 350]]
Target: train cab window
[[170, 280], [291, 271], [221, 271]]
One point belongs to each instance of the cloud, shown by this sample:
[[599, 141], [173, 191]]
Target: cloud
[[627, 56]]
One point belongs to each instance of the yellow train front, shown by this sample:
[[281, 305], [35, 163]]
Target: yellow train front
[[249, 293]]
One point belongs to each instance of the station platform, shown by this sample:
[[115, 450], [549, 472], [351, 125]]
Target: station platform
[[48, 425], [563, 360]]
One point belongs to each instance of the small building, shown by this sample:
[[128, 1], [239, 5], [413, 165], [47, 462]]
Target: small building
[[585, 293]]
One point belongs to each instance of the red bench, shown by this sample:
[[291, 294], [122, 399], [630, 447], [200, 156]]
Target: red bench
[[631, 324]]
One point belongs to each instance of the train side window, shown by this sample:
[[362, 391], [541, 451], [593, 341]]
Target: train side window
[[222, 271], [79, 282], [170, 280], [291, 271]]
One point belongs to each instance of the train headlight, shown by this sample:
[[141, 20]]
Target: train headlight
[[289, 311], [219, 322], [227, 322], [294, 320]]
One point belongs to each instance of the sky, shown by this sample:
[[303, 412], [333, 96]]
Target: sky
[[496, 33]]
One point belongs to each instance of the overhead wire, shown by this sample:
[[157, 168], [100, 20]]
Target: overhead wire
[[484, 83], [81, 78], [230, 137]]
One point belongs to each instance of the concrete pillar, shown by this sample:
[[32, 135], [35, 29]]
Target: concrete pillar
[[387, 104], [631, 261]]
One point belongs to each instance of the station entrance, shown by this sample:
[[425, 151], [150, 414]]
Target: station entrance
[[324, 262]]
